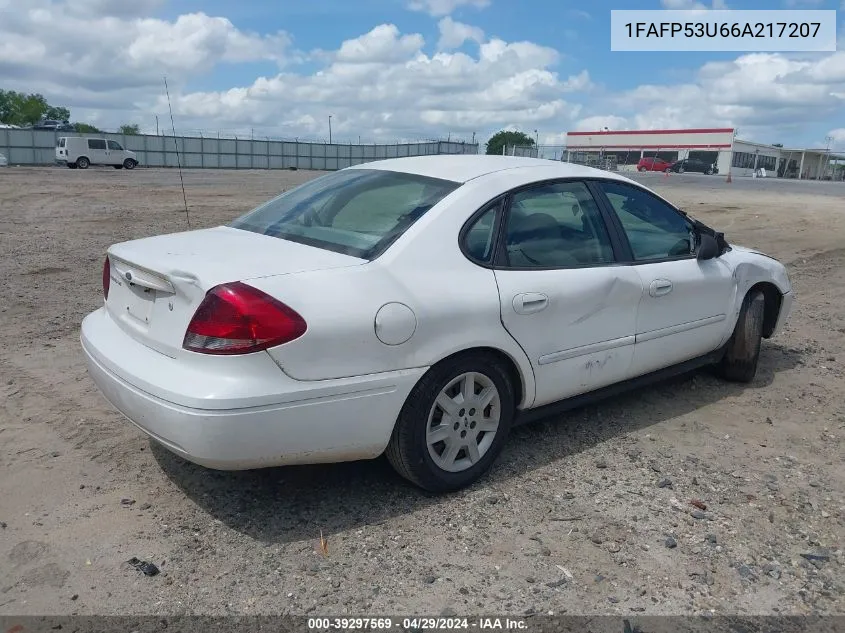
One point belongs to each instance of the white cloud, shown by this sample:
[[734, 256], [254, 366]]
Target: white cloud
[[439, 8], [384, 44], [598, 123], [453, 34]]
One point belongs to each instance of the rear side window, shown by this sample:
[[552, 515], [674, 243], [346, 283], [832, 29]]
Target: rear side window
[[480, 238], [358, 212], [62, 142], [96, 143]]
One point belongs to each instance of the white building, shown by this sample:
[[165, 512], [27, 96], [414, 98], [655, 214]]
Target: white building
[[713, 145]]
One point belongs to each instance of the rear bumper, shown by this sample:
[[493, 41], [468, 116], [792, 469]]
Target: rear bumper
[[299, 423]]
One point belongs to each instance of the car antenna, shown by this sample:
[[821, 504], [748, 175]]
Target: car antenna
[[178, 159]]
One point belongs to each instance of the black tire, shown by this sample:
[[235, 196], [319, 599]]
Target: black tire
[[709, 172], [408, 451], [641, 169], [129, 163], [82, 162], [743, 349]]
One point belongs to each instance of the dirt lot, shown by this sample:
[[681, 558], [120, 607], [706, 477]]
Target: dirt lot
[[577, 516]]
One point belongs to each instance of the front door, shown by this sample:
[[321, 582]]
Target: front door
[[563, 297], [116, 153], [685, 302]]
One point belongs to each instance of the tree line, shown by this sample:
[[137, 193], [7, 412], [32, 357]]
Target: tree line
[[24, 110]]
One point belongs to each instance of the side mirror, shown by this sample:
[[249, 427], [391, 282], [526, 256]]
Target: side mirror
[[708, 247]]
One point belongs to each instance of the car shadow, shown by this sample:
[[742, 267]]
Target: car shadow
[[277, 505]]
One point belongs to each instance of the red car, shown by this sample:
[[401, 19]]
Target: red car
[[653, 164]]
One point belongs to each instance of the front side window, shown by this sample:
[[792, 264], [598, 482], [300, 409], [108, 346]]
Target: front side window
[[96, 143], [654, 229], [115, 145], [556, 225], [358, 212]]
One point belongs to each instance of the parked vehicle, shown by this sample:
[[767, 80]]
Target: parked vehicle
[[419, 307], [652, 164], [50, 124], [82, 152], [693, 165], [4, 162]]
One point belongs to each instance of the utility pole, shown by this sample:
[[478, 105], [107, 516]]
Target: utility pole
[[330, 129], [156, 125]]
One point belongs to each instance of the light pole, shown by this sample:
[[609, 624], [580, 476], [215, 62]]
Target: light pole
[[330, 129], [537, 143]]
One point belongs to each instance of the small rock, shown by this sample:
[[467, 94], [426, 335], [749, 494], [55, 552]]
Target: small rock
[[746, 572], [773, 571], [75, 596], [546, 551], [557, 583], [493, 499], [2, 525], [671, 543], [127, 502], [710, 538], [771, 517], [430, 580], [613, 548], [82, 486], [597, 539], [463, 591], [818, 556], [55, 454], [600, 463], [530, 580], [698, 514], [613, 600], [664, 483], [654, 467], [769, 420]]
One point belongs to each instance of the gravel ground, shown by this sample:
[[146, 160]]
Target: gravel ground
[[586, 514]]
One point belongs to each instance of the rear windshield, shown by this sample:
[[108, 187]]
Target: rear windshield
[[358, 212]]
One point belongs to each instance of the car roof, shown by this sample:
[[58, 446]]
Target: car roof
[[464, 167]]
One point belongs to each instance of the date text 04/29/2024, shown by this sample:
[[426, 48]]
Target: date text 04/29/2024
[[724, 30]]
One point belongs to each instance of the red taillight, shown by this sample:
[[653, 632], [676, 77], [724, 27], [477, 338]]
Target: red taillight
[[106, 278], [238, 319]]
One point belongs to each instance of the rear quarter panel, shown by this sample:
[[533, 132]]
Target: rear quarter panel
[[455, 302]]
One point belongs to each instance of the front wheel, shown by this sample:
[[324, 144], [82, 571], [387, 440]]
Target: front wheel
[[709, 172], [129, 163], [743, 351], [454, 423]]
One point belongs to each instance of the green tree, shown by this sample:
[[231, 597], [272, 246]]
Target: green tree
[[506, 138], [85, 128], [129, 128], [17, 108]]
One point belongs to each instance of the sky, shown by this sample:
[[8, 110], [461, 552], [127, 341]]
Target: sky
[[387, 70]]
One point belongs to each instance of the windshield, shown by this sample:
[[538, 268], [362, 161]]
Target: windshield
[[358, 212]]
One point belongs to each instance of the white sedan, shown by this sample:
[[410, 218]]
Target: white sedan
[[419, 307]]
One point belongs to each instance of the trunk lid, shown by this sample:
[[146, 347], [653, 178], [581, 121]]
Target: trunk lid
[[157, 283]]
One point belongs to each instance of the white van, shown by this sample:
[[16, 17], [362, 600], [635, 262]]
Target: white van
[[78, 151]]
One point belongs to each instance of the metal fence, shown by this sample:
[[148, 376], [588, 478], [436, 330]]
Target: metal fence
[[37, 147], [550, 152]]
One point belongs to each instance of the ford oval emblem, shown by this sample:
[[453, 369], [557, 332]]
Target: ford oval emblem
[[128, 276]]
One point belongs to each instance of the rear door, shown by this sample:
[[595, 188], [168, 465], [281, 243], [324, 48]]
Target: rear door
[[685, 302], [562, 295]]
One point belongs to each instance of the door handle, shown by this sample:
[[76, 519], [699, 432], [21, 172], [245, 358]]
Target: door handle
[[660, 287], [530, 302]]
